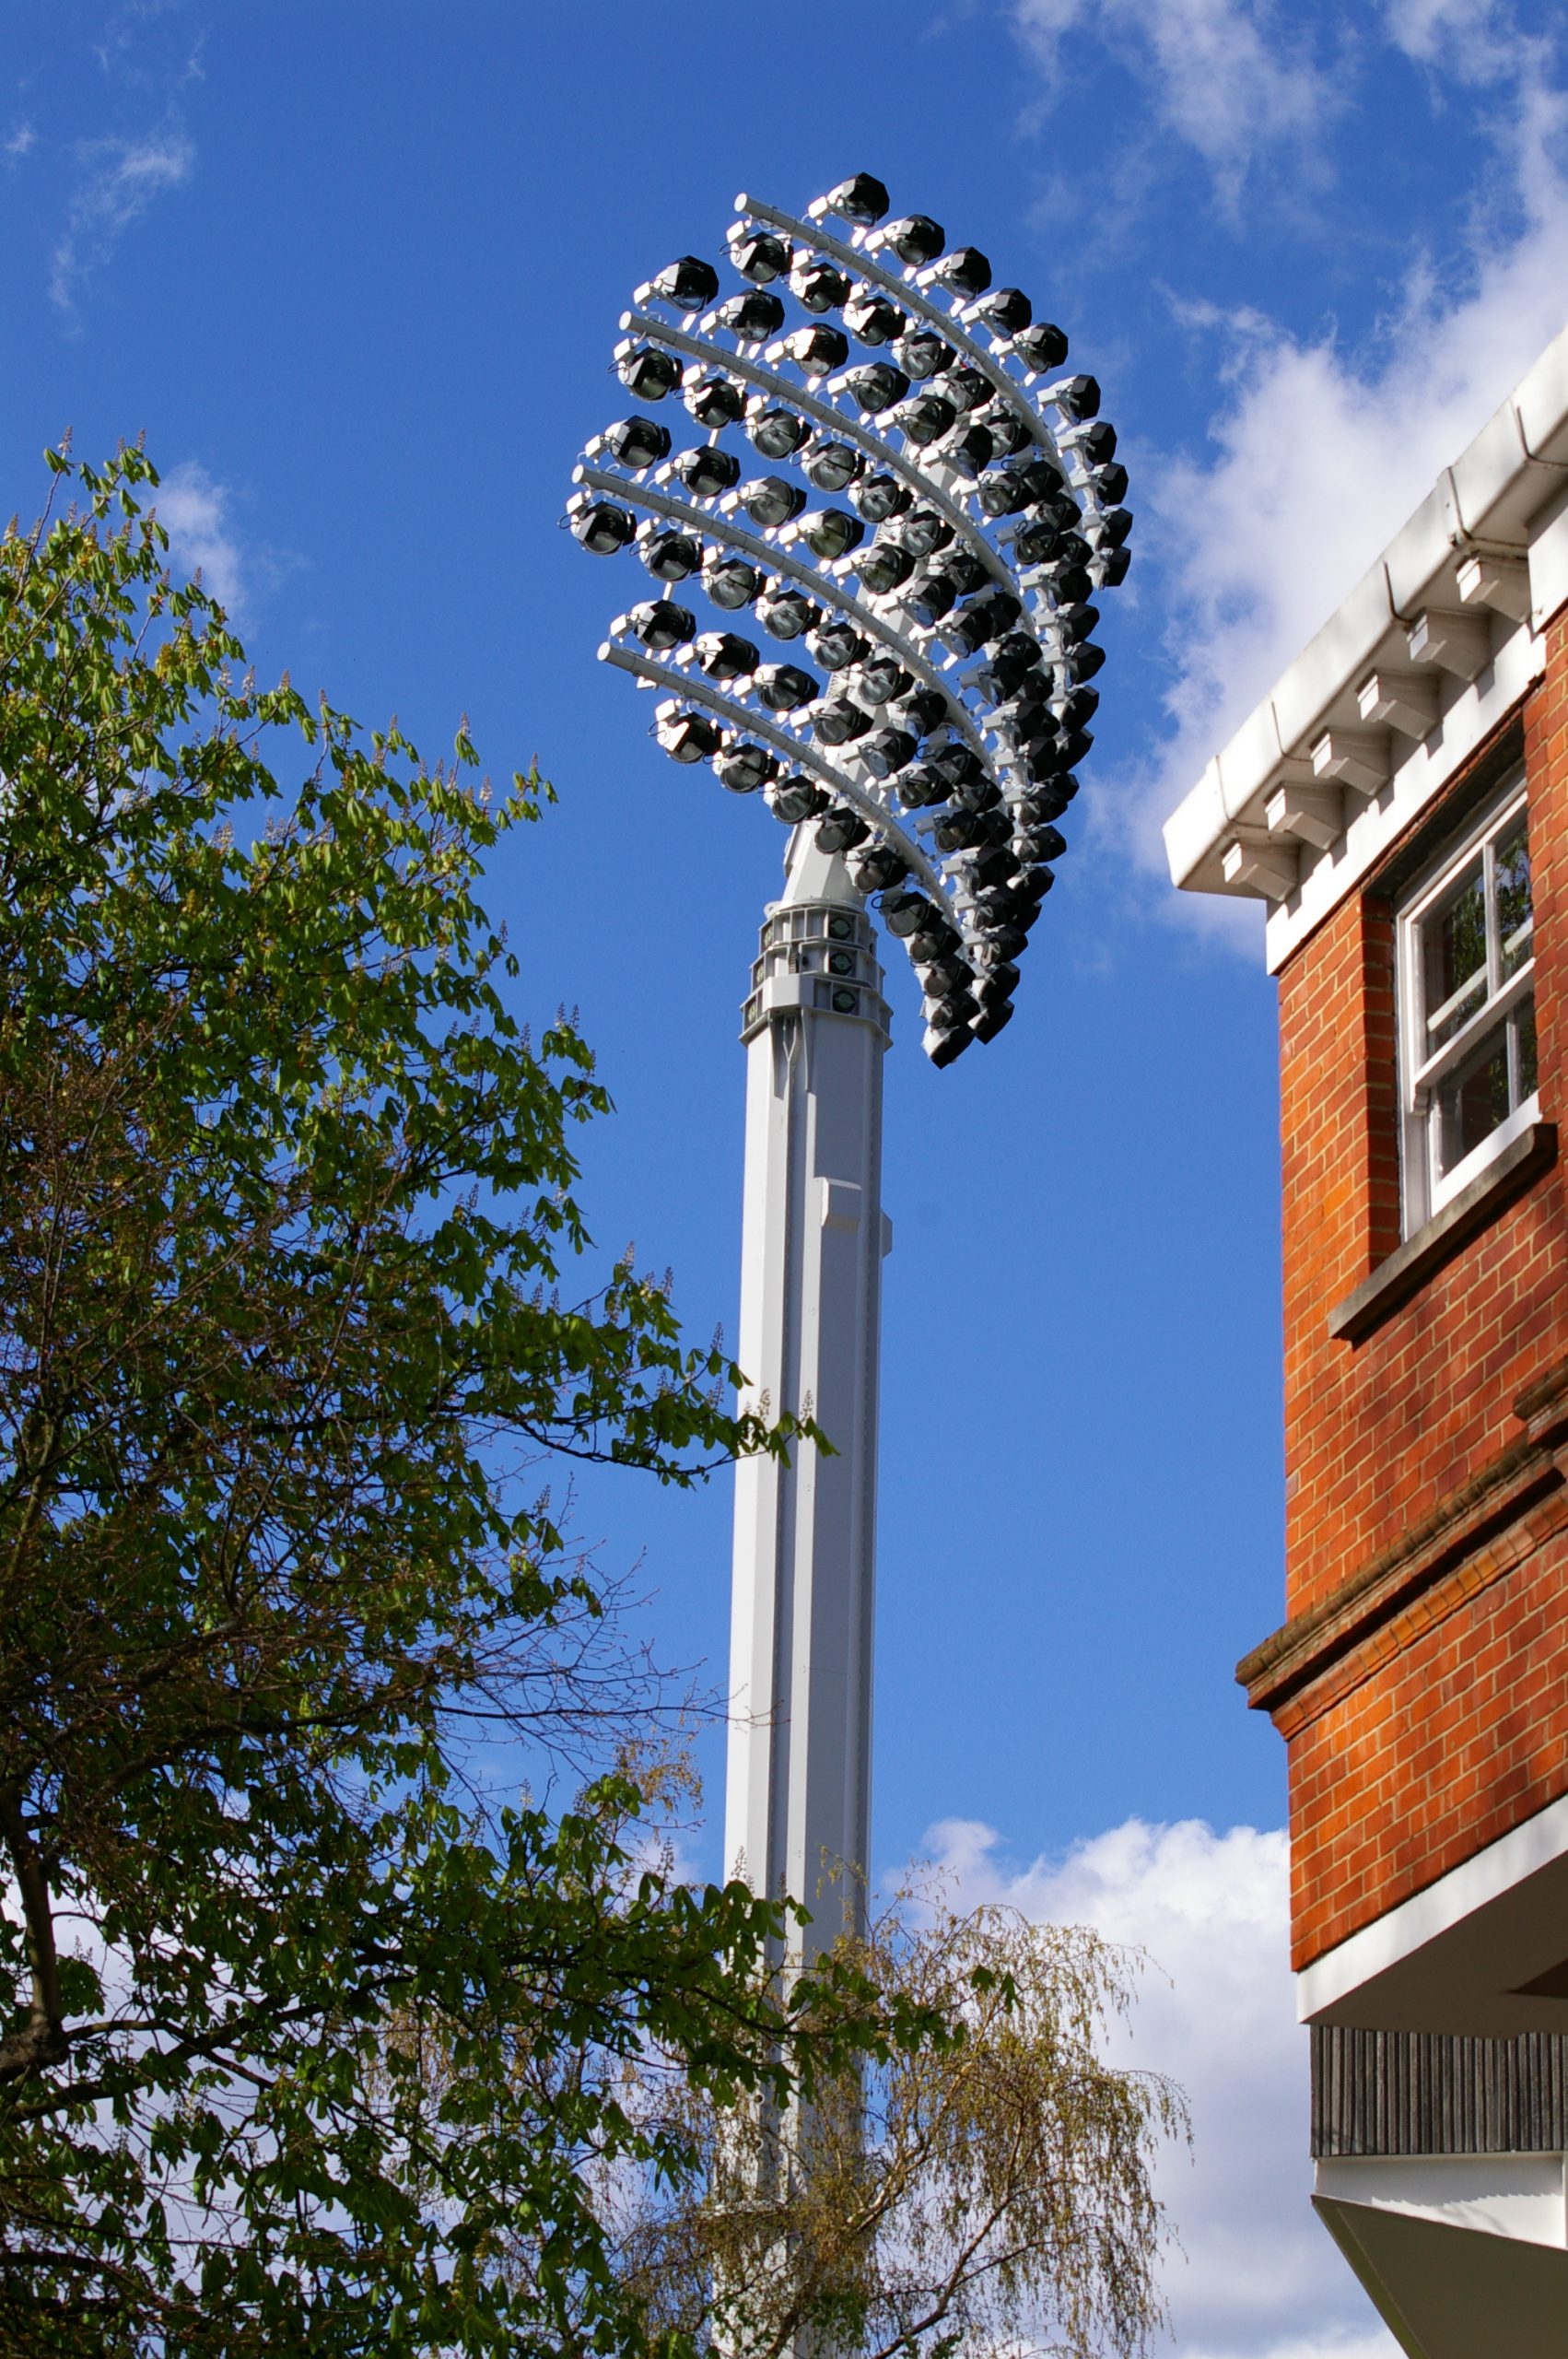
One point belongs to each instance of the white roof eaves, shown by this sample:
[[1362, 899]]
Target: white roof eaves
[[1487, 498]]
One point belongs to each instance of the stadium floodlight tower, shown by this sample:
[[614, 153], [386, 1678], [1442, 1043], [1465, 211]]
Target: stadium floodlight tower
[[927, 523]]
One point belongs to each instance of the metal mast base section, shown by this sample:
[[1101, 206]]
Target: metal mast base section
[[816, 1027]]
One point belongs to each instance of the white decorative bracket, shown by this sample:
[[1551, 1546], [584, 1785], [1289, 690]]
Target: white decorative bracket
[[1455, 643], [1315, 815], [1501, 582], [1257, 864], [1403, 700], [1355, 757]]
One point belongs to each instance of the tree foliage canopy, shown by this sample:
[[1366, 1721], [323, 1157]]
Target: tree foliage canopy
[[285, 1204]]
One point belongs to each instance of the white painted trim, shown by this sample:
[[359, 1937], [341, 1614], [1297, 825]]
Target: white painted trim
[[1498, 503], [1397, 1936], [1518, 2195]]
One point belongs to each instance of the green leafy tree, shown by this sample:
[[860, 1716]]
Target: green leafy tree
[[285, 1201]]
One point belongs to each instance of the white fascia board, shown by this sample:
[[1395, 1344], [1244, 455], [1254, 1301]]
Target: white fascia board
[[1505, 477], [1395, 1939]]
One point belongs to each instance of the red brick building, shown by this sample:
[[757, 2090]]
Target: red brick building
[[1400, 802]]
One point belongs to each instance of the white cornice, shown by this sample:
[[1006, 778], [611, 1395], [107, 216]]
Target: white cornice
[[1431, 648]]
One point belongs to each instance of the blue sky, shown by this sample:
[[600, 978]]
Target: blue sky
[[356, 270]]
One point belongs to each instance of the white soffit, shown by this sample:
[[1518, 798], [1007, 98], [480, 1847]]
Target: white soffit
[[1444, 633]]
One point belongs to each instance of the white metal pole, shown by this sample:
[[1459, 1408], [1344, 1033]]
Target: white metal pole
[[798, 1791]]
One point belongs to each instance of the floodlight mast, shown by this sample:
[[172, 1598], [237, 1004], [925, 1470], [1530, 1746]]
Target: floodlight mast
[[984, 512], [798, 1788]]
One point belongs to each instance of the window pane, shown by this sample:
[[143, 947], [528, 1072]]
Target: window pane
[[1472, 1101], [1454, 956], [1526, 1021], [1514, 897]]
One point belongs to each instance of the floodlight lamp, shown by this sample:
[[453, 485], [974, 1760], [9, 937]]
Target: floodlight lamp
[[818, 285], [777, 433], [1006, 309], [862, 199], [818, 349], [836, 645], [661, 625], [743, 768], [1073, 623], [759, 255], [1044, 803], [925, 419], [830, 466], [646, 371], [840, 723], [794, 799], [996, 983], [1008, 429], [1112, 567], [920, 787], [669, 555], [991, 1019], [966, 388], [707, 471], [965, 271], [874, 387], [906, 914], [1040, 347], [957, 830], [1095, 443], [714, 401], [786, 613], [730, 582], [1076, 397], [831, 534], [926, 710], [725, 655], [749, 317], [924, 532], [968, 452], [687, 283], [882, 679], [887, 751], [951, 440], [602, 527], [872, 319], [883, 568], [922, 353], [1034, 844], [783, 687], [877, 498], [965, 570], [916, 239], [687, 736], [945, 1048], [637, 442], [841, 828], [874, 867], [772, 500], [929, 600]]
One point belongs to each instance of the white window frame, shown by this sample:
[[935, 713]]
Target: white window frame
[[1426, 1190]]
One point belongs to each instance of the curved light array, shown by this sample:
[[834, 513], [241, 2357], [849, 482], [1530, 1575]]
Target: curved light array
[[928, 524]]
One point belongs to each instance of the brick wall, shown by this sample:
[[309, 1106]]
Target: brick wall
[[1445, 1726]]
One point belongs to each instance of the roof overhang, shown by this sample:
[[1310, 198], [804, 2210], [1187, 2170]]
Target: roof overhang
[[1439, 639]]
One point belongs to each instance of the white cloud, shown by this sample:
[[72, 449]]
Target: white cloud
[[1225, 75], [1318, 453], [193, 512], [21, 142], [1260, 2279], [120, 177]]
